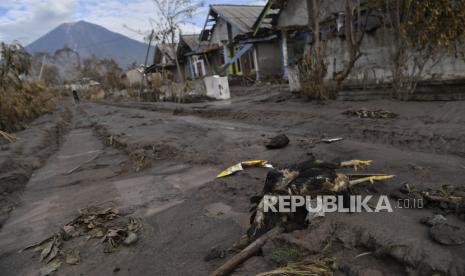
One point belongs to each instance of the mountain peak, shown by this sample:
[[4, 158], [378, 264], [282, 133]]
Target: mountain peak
[[70, 24], [91, 39]]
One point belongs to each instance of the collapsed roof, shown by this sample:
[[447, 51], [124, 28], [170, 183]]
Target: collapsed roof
[[243, 17]]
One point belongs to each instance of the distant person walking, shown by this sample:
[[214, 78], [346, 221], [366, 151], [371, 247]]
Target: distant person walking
[[75, 96], [75, 93]]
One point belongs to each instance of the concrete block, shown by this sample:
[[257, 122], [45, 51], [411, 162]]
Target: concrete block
[[217, 87]]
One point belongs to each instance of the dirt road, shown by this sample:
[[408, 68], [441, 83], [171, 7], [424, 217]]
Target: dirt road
[[158, 161]]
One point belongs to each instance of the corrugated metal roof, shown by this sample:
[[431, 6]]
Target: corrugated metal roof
[[241, 16], [167, 49], [193, 42]]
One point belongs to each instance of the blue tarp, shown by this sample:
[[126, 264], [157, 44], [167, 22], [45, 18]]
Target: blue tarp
[[242, 51]]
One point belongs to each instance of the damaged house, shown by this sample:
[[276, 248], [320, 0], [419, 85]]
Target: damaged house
[[164, 62], [192, 56], [373, 70], [234, 48]]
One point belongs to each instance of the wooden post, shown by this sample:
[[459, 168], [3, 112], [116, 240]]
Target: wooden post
[[285, 54], [255, 61]]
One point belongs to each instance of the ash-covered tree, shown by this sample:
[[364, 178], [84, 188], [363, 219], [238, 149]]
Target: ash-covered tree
[[15, 62], [172, 14], [355, 26], [20, 101], [314, 65], [423, 31], [50, 74], [106, 71], [68, 62], [112, 74], [90, 69]]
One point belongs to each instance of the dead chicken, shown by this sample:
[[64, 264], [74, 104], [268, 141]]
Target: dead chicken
[[310, 178]]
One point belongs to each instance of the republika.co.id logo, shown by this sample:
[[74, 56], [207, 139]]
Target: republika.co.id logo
[[330, 204]]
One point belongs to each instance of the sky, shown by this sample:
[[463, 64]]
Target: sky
[[27, 20]]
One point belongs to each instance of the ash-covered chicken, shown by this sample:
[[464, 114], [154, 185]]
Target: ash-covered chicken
[[310, 178]]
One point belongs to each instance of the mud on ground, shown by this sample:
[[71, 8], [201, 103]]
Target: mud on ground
[[158, 161]]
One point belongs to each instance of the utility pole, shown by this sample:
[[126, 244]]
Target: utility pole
[[152, 34]]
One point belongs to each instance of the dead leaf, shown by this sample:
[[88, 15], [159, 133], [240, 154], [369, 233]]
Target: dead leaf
[[72, 257], [38, 246], [53, 253], [46, 250], [96, 233], [50, 267]]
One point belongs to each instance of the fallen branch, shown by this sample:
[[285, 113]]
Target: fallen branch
[[246, 253], [9, 137], [445, 199]]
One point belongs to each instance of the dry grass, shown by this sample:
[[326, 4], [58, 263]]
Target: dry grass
[[92, 93], [8, 137], [20, 106], [320, 267]]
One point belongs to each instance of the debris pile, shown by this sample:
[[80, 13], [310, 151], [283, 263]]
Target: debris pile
[[371, 113], [447, 200], [92, 223]]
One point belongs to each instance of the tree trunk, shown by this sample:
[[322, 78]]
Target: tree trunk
[[353, 43], [318, 70]]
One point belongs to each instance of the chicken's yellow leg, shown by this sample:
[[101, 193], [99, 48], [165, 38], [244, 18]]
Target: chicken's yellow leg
[[356, 163], [371, 179]]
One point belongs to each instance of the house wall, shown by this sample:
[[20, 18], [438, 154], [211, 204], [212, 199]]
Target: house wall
[[295, 14], [375, 65], [374, 68], [134, 77], [269, 61], [220, 33]]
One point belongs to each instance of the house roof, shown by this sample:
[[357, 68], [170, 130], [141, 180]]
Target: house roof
[[241, 16], [194, 45], [191, 40], [267, 16], [166, 49]]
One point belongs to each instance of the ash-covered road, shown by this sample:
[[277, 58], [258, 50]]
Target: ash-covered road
[[158, 162]]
